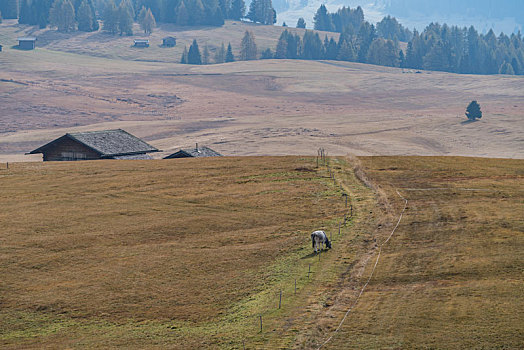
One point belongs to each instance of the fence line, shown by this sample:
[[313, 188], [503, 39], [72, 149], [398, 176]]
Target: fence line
[[370, 276]]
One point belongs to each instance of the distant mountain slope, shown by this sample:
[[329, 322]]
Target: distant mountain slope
[[502, 15]]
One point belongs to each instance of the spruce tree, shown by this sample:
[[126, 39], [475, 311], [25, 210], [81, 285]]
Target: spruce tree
[[262, 11], [473, 111], [193, 56], [85, 17], [110, 18], [301, 23], [322, 20], [220, 54], [26, 14], [266, 54], [506, 68], [346, 52], [182, 16], [205, 55], [237, 10], [248, 47], [10, 9], [62, 16], [125, 18], [183, 58], [229, 54], [148, 22]]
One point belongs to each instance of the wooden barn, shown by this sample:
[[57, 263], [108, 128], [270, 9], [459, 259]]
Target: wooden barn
[[26, 43], [194, 152], [141, 43], [106, 144], [169, 41]]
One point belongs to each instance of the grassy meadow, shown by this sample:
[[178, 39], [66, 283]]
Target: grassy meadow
[[174, 253], [189, 253]]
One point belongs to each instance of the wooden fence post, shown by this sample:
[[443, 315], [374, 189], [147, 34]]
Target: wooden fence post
[[280, 300], [260, 323], [295, 286], [339, 228]]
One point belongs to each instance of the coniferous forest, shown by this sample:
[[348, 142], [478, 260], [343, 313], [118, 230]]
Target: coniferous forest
[[438, 47]]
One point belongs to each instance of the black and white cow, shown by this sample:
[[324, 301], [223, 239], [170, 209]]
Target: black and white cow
[[318, 239]]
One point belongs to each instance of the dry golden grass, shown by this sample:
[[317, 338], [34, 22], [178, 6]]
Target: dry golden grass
[[152, 253], [146, 254], [451, 276]]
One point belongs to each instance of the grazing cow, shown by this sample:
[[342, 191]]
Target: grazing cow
[[318, 239]]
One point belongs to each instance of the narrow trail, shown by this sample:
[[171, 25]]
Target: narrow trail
[[370, 276]]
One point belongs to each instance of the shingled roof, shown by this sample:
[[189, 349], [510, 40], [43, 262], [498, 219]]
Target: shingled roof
[[108, 143], [194, 152]]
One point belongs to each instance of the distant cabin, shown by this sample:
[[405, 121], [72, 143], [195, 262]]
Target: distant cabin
[[141, 43], [26, 43], [0, 48], [106, 144], [169, 41], [194, 152]]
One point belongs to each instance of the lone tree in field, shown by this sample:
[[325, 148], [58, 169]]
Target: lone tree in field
[[473, 111]]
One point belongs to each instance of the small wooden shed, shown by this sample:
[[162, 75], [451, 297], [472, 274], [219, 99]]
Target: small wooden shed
[[1, 48], [169, 41], [28, 43], [105, 144], [141, 43], [194, 152]]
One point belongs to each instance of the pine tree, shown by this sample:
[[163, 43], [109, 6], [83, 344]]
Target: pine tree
[[10, 9], [85, 17], [62, 16], [125, 18], [301, 23], [262, 11], [312, 48], [141, 15], [473, 111], [266, 54], [193, 56], [182, 17], [229, 54], [110, 18], [322, 19], [401, 59], [248, 47], [237, 10], [205, 55], [26, 15], [506, 68], [220, 55], [148, 22], [281, 50], [183, 58], [346, 52]]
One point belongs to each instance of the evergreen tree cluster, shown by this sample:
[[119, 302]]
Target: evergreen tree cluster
[[464, 50], [347, 48], [58, 13], [222, 55], [194, 12], [262, 11], [9, 9], [439, 47]]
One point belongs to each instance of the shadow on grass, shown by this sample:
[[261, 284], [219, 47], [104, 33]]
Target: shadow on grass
[[469, 121], [313, 254]]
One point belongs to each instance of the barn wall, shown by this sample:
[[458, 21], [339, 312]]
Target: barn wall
[[68, 149], [26, 45]]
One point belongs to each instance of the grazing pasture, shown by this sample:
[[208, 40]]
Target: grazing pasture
[[451, 275], [180, 253], [190, 253]]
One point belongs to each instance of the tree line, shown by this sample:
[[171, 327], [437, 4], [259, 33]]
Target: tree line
[[181, 12], [438, 47]]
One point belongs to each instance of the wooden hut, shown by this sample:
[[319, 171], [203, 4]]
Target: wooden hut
[[106, 144], [169, 41], [27, 43], [0, 48], [141, 43], [194, 152]]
